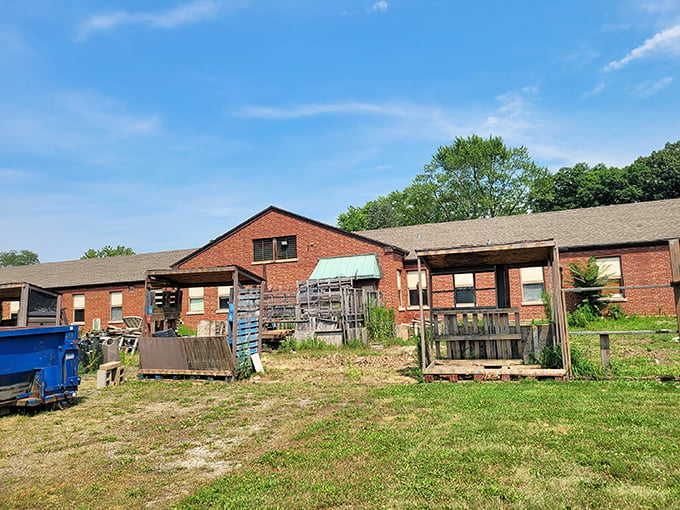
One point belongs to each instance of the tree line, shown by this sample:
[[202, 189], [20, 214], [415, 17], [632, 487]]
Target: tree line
[[476, 177]]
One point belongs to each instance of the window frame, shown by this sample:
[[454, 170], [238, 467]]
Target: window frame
[[614, 294], [528, 279], [274, 249], [195, 296], [413, 290], [116, 304], [463, 289], [79, 309], [222, 292]]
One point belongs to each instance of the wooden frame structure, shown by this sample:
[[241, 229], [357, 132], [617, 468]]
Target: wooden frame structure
[[488, 342], [37, 306], [195, 356]]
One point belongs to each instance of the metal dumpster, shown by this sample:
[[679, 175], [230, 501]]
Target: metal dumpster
[[38, 366]]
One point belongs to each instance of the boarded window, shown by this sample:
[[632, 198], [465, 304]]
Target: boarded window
[[532, 284]]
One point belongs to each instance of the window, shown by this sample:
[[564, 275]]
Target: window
[[399, 296], [532, 284], [14, 309], [116, 306], [223, 297], [412, 281], [196, 303], [464, 289], [274, 248], [78, 307], [611, 267]]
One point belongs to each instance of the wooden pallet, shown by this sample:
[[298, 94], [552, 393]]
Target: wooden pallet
[[489, 370]]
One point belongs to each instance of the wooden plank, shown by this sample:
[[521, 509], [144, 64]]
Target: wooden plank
[[483, 362], [172, 371], [605, 353], [674, 248]]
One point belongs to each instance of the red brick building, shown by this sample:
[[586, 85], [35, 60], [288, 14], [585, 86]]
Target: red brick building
[[630, 242]]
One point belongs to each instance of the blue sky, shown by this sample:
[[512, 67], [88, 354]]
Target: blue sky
[[161, 125]]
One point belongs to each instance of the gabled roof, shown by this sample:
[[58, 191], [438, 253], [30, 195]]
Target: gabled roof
[[614, 225], [271, 208], [89, 272]]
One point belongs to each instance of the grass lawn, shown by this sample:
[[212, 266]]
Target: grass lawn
[[513, 445], [647, 355], [348, 428]]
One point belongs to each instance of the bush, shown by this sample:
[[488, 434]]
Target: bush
[[583, 314], [380, 323], [550, 357], [615, 312]]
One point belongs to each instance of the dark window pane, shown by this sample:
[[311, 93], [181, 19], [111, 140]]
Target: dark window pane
[[79, 315], [465, 295], [413, 297], [223, 303], [286, 248], [263, 249]]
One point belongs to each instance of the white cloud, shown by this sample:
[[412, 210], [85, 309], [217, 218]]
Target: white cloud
[[595, 91], [381, 6], [665, 41], [648, 88], [192, 12], [310, 110]]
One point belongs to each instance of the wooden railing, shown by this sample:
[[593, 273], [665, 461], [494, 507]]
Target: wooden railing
[[477, 333]]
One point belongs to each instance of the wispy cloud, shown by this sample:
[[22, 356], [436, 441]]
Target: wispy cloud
[[317, 109], [193, 12], [595, 91], [665, 41], [648, 88], [378, 6]]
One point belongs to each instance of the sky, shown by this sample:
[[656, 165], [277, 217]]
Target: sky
[[160, 125]]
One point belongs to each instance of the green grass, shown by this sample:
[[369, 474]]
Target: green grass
[[646, 355], [517, 445]]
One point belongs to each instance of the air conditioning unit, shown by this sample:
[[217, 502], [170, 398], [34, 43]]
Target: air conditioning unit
[[96, 324]]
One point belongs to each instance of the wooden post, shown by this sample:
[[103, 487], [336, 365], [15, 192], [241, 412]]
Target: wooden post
[[605, 352], [423, 352], [502, 275], [674, 247]]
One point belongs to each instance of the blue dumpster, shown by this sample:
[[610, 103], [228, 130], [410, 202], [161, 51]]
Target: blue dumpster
[[38, 366]]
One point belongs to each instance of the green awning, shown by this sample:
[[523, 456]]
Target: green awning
[[359, 267]]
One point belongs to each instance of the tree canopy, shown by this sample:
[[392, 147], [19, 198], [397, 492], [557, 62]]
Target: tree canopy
[[107, 251], [653, 177], [471, 178], [13, 258]]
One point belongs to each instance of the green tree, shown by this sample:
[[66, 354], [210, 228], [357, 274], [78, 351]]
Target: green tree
[[107, 251], [657, 175], [589, 276], [13, 258], [471, 178]]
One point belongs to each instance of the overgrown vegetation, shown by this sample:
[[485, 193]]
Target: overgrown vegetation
[[380, 323], [587, 276]]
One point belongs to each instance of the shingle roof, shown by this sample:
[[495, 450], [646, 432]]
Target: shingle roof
[[83, 273], [639, 223]]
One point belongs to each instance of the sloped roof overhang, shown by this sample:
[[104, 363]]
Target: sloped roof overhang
[[201, 277], [470, 258]]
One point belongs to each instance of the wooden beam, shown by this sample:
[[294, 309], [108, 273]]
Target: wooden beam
[[502, 275], [674, 248]]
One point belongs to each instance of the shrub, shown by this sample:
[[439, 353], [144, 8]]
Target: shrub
[[380, 322], [580, 317], [615, 312], [550, 357], [588, 276]]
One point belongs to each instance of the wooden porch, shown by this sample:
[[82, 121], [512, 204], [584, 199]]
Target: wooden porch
[[490, 342]]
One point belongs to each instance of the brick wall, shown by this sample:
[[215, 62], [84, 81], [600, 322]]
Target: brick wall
[[313, 242], [98, 304]]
